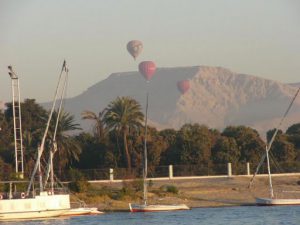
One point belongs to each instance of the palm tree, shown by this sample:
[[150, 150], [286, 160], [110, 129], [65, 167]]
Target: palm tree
[[123, 114], [68, 148], [99, 129]]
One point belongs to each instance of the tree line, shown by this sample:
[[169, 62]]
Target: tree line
[[117, 141]]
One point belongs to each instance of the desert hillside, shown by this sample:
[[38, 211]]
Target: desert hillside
[[217, 97]]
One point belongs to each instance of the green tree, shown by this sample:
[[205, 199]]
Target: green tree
[[294, 129], [248, 141], [6, 139], [34, 119], [33, 122], [68, 148], [122, 115], [155, 146], [270, 134], [94, 154], [293, 136], [226, 150], [5, 170], [194, 144], [169, 155], [282, 148], [99, 129]]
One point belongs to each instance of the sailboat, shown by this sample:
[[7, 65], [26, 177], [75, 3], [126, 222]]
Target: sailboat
[[82, 210], [145, 207], [42, 202], [272, 200]]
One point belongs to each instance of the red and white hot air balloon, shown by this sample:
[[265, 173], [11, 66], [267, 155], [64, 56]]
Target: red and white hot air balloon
[[183, 86], [147, 69], [134, 48]]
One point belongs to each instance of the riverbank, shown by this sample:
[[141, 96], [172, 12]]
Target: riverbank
[[204, 192]]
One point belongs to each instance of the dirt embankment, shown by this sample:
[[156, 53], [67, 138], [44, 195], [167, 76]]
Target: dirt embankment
[[204, 192]]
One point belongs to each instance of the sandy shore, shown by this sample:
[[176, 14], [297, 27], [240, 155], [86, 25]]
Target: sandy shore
[[207, 192]]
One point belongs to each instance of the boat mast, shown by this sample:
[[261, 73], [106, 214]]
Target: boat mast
[[268, 147], [18, 140], [269, 173], [145, 153], [37, 166], [50, 170]]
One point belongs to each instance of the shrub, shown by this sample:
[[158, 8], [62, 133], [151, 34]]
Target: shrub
[[172, 189], [169, 188], [79, 186], [78, 182]]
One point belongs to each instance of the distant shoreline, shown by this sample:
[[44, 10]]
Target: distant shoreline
[[200, 193]]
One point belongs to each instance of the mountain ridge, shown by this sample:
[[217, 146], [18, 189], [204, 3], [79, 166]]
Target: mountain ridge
[[217, 98]]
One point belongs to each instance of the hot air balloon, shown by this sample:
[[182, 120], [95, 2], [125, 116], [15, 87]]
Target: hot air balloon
[[183, 86], [147, 69], [134, 48]]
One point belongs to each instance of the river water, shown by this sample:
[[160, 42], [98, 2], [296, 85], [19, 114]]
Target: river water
[[243, 215]]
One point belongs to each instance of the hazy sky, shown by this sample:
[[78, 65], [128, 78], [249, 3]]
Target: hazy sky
[[258, 37]]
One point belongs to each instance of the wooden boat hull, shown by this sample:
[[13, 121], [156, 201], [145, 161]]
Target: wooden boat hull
[[42, 206], [156, 208], [276, 201]]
